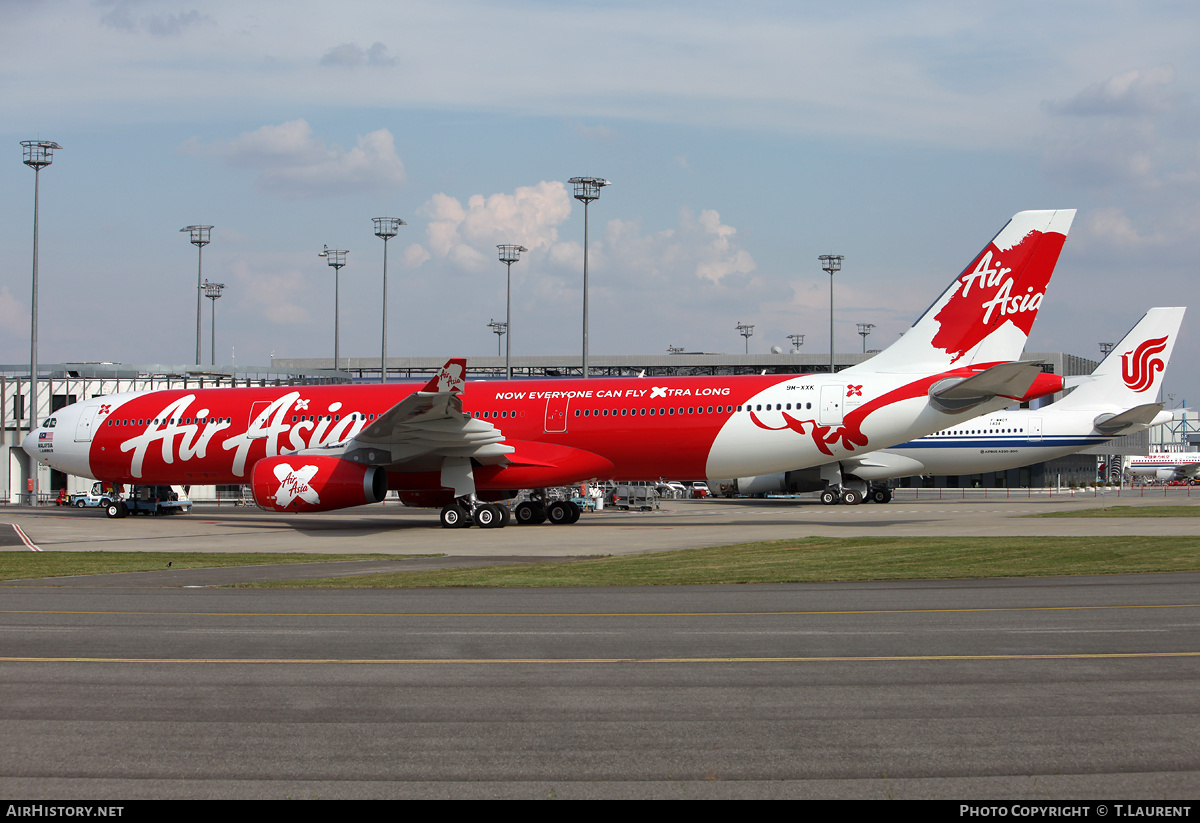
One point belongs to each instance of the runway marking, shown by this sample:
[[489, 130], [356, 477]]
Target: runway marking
[[600, 660], [24, 539], [609, 614]]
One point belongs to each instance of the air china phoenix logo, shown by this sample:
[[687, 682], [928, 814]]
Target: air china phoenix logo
[[988, 293], [1139, 366], [295, 483]]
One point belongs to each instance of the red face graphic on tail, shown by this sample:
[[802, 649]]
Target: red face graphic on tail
[[999, 286], [1139, 366]]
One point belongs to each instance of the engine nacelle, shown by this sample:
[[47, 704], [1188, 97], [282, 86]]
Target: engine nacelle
[[1165, 474], [300, 483]]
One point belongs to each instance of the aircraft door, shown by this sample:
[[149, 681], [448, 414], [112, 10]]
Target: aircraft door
[[1035, 429], [556, 414], [831, 405], [87, 421], [258, 432]]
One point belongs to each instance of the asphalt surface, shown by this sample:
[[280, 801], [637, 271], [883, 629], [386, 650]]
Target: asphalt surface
[[1040, 689]]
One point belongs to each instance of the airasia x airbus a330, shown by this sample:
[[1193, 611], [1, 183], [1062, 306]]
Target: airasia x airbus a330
[[458, 445]]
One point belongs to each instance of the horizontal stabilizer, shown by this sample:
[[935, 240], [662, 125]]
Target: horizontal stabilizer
[[1005, 380], [1137, 416]]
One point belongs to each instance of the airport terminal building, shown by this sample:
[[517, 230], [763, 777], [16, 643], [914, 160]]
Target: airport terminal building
[[62, 384]]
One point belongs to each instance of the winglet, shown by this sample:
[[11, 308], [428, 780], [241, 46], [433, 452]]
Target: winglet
[[450, 379]]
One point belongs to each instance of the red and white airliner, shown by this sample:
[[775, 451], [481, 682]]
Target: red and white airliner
[[459, 445], [1117, 399]]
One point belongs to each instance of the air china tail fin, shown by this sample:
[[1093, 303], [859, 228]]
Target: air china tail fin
[[986, 313], [1132, 373]]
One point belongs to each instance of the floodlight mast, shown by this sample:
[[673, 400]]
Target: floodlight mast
[[337, 259], [198, 236], [864, 329], [587, 189], [797, 342], [509, 254], [831, 263], [38, 155], [385, 228], [500, 328], [213, 292], [745, 331]]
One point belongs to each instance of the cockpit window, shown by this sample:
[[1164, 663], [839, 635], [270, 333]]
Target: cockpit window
[[51, 423]]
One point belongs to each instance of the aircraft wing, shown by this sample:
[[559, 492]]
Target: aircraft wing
[[428, 425]]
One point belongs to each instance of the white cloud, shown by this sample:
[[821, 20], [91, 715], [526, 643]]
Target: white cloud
[[277, 297], [1128, 94], [351, 54], [293, 164], [467, 236]]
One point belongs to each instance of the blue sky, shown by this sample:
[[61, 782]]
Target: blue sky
[[742, 142]]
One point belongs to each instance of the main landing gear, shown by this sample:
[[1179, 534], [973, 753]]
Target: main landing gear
[[464, 512], [876, 493]]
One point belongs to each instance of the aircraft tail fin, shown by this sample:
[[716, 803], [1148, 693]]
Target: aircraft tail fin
[[986, 313], [450, 379], [1132, 373]]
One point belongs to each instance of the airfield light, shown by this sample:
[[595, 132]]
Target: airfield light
[[500, 328], [386, 228], [509, 254], [337, 259], [864, 329], [831, 263], [198, 236], [213, 291], [746, 331], [38, 155], [587, 189]]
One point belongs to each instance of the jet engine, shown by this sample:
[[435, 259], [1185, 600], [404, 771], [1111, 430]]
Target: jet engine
[[300, 483]]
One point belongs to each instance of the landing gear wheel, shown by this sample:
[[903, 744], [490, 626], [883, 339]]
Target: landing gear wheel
[[558, 512], [881, 496], [488, 517], [851, 498], [505, 514], [575, 512], [830, 498], [114, 510], [455, 516], [530, 514]]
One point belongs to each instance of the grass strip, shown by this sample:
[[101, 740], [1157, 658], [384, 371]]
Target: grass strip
[[1128, 511], [818, 559], [26, 565]]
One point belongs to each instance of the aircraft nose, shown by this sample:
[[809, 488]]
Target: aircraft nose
[[30, 443]]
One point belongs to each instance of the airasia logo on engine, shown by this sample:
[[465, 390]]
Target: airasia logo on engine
[[295, 483]]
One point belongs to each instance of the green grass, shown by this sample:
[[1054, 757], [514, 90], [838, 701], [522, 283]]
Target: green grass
[[24, 565], [1128, 511], [819, 559]]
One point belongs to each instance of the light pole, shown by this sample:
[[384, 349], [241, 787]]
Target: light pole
[[1106, 349], [337, 259], [38, 155], [199, 236], [500, 328], [864, 329], [797, 342], [587, 189], [213, 291], [831, 263], [385, 227], [745, 331], [510, 254]]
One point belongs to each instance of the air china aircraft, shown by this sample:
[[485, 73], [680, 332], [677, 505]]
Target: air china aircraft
[[1165, 465], [459, 445], [1118, 398]]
